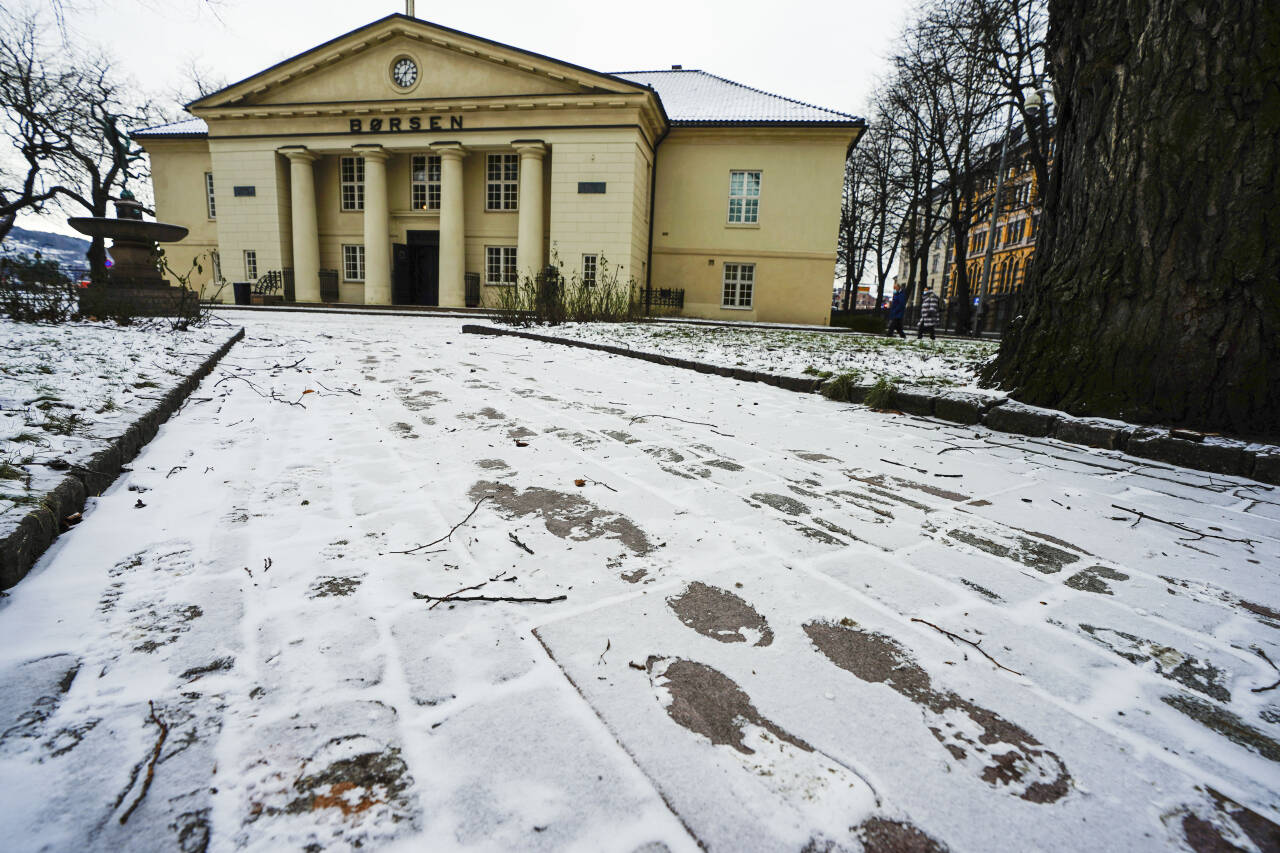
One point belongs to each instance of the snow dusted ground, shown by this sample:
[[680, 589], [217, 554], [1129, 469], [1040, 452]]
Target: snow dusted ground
[[747, 655], [66, 388], [787, 352]]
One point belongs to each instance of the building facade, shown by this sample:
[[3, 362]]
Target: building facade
[[404, 161], [1017, 223]]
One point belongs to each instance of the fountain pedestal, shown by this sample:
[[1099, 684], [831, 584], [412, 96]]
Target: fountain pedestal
[[134, 287]]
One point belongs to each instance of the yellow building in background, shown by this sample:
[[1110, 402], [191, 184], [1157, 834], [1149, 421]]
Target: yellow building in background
[[408, 163]]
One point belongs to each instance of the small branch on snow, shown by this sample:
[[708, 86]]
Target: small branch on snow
[[608, 643], [175, 469], [1263, 655], [354, 392], [448, 535], [908, 467], [683, 421], [956, 637], [1248, 543], [598, 483], [151, 765], [523, 547], [517, 599]]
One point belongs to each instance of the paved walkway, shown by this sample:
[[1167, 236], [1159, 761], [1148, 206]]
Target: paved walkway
[[764, 621]]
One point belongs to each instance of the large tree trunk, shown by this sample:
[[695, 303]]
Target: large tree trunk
[[1155, 292]]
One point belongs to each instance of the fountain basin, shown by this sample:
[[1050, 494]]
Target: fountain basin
[[129, 230]]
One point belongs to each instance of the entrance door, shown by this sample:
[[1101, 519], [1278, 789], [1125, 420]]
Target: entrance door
[[423, 262]]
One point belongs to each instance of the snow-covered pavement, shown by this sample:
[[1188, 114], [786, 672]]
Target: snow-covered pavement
[[744, 649]]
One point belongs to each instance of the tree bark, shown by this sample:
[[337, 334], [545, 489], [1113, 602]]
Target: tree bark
[[1155, 291]]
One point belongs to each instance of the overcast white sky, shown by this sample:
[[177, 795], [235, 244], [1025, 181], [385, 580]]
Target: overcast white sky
[[824, 52]]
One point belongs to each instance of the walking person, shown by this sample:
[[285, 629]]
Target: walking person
[[929, 313], [897, 310]]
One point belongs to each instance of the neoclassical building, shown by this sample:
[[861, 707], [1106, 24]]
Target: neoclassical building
[[408, 163]]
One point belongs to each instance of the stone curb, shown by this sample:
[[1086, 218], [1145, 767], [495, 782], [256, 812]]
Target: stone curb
[[37, 530], [1257, 461]]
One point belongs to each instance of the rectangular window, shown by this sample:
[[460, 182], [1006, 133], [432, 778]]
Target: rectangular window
[[739, 284], [502, 181], [744, 197], [424, 186], [589, 270], [353, 263], [500, 264], [351, 176], [251, 264], [208, 195]]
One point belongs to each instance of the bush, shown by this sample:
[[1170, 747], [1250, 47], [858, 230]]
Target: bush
[[33, 290], [841, 388], [880, 396], [552, 300], [861, 321]]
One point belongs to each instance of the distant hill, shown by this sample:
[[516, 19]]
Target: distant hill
[[68, 251]]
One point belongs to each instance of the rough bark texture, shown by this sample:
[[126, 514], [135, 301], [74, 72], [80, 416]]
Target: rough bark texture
[[1155, 294]]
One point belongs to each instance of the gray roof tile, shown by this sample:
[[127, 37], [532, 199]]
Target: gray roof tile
[[696, 97]]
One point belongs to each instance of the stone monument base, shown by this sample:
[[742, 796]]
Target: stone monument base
[[115, 300]]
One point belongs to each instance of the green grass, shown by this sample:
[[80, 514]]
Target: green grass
[[881, 394], [841, 388]]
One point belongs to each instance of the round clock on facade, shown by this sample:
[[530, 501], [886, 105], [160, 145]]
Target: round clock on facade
[[404, 72]]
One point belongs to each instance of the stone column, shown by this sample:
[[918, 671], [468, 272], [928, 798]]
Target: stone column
[[453, 247], [377, 226], [531, 234], [306, 235]]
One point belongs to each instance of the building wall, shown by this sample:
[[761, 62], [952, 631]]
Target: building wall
[[178, 170], [792, 245]]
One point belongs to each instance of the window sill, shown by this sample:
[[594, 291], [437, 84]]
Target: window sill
[[499, 284], [496, 210], [747, 225], [737, 307]]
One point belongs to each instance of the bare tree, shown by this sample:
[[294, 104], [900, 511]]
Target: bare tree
[[882, 162], [959, 102], [855, 226], [100, 159], [37, 102]]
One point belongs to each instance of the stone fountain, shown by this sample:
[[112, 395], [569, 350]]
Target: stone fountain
[[134, 286]]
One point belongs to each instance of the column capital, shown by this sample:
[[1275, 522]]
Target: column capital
[[371, 151], [298, 153], [451, 150], [535, 148]]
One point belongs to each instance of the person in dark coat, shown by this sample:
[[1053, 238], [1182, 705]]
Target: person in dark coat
[[897, 310], [930, 310]]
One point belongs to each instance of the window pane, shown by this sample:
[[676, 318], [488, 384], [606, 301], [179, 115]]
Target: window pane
[[753, 183]]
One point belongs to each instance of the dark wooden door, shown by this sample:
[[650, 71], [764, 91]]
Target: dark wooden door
[[401, 275], [424, 265]]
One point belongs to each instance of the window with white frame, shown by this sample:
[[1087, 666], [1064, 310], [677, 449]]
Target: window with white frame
[[351, 179], [739, 285], [589, 270], [744, 198], [208, 195], [251, 264], [424, 186], [353, 263], [500, 264], [502, 182]]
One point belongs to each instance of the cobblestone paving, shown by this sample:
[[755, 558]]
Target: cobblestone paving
[[752, 620]]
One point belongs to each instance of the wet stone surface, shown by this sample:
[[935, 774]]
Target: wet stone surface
[[720, 615]]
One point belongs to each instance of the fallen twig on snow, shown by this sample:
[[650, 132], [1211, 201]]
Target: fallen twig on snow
[[448, 535], [598, 483], [151, 765], [272, 395], [354, 392], [1248, 543], [683, 421], [523, 547], [175, 469], [954, 637], [514, 598], [1263, 655], [908, 467]]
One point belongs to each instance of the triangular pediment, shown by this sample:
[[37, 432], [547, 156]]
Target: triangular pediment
[[358, 67]]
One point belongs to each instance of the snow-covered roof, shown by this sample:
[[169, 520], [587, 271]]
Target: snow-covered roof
[[689, 98], [186, 127], [696, 97]]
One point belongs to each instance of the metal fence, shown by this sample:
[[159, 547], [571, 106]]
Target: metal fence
[[665, 297]]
